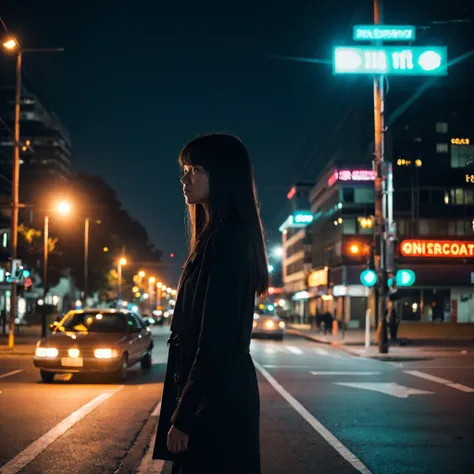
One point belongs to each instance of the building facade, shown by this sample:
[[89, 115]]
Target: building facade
[[45, 146], [296, 245]]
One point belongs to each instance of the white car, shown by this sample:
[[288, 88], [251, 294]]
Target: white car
[[268, 325]]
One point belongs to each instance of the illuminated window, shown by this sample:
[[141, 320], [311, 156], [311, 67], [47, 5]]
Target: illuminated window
[[442, 148], [418, 139], [364, 195], [442, 127], [462, 156], [349, 226]]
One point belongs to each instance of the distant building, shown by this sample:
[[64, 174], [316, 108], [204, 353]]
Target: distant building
[[296, 244], [342, 206], [432, 150], [45, 151]]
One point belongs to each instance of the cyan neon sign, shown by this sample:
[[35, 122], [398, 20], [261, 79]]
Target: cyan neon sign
[[384, 33], [392, 60]]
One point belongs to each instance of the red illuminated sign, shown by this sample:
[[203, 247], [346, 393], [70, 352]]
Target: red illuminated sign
[[351, 175], [291, 193], [437, 248]]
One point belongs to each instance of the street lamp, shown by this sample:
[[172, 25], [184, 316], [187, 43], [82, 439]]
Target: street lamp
[[151, 291], [122, 262], [62, 208], [11, 44]]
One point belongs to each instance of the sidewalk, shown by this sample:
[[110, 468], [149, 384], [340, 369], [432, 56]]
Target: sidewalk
[[25, 342], [353, 342]]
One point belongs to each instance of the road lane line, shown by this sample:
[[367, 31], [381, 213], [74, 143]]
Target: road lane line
[[294, 350], [345, 373], [314, 423], [320, 351], [156, 410], [26, 456], [13, 372], [433, 378], [271, 366], [148, 464]]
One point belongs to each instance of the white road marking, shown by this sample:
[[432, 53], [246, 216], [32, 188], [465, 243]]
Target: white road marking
[[320, 351], [13, 372], [156, 410], [390, 388], [288, 366], [294, 350], [345, 373], [26, 456], [148, 464], [433, 378], [269, 350], [314, 423]]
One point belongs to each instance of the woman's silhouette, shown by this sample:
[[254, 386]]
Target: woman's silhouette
[[209, 421]]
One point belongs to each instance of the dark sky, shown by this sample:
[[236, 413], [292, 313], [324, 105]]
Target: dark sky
[[138, 79]]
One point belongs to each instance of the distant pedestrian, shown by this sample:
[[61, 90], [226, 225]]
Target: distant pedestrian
[[393, 323], [209, 421], [327, 320]]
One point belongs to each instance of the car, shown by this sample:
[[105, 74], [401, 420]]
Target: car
[[268, 325], [95, 341]]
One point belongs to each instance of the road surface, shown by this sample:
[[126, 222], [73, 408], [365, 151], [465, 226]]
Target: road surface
[[323, 411]]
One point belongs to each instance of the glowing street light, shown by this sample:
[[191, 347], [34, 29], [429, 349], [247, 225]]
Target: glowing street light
[[11, 44], [122, 261], [278, 252], [151, 280], [141, 274], [64, 207]]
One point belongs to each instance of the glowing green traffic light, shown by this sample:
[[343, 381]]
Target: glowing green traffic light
[[368, 278], [391, 60], [405, 277]]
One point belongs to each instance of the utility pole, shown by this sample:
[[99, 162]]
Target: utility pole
[[380, 229], [15, 198], [45, 270], [86, 258]]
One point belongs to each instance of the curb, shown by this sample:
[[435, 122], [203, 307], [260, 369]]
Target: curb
[[344, 347]]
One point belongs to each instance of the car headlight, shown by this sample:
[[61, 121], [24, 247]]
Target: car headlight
[[281, 324], [269, 324], [73, 352], [105, 353], [46, 352]]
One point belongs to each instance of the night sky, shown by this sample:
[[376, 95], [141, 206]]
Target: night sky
[[138, 79]]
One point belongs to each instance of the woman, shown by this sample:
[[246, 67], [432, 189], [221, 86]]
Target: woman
[[209, 421]]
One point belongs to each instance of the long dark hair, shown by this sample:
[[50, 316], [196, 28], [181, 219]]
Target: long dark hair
[[232, 195]]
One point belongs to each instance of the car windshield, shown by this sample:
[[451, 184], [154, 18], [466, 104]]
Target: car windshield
[[94, 322]]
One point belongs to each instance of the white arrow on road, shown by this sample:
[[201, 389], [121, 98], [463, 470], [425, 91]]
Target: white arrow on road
[[391, 388]]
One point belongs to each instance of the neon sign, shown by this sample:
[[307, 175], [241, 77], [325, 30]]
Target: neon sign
[[384, 33], [351, 175], [460, 141], [291, 193], [470, 178], [396, 60], [437, 248]]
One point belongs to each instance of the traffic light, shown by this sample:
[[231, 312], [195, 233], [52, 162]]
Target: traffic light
[[405, 278], [368, 278]]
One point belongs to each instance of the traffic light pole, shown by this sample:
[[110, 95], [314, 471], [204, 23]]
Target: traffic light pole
[[380, 202]]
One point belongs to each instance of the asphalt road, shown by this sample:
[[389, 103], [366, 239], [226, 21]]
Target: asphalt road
[[323, 411]]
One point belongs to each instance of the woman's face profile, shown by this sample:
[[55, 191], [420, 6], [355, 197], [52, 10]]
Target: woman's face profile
[[195, 184]]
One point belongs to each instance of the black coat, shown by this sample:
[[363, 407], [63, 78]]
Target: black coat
[[211, 389]]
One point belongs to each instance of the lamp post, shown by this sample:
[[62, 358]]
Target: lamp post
[[87, 222], [63, 208], [122, 262], [11, 44], [151, 291]]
